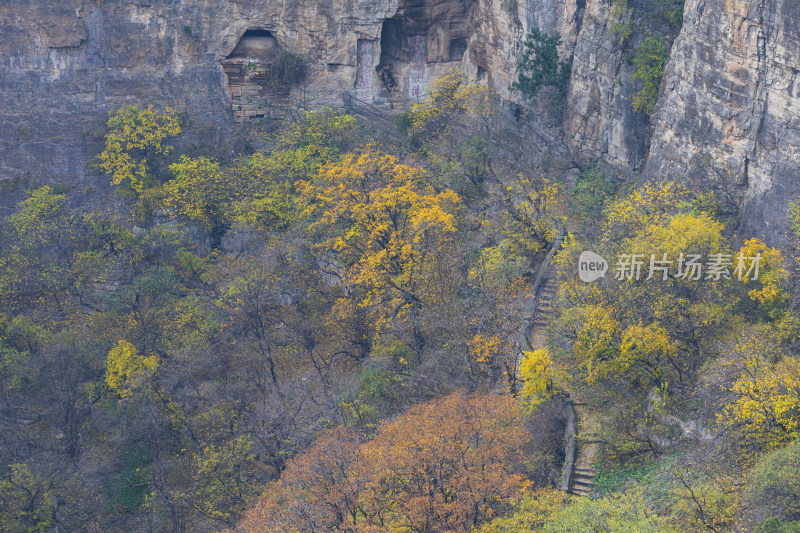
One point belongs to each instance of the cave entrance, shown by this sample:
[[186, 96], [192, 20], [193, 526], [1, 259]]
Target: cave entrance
[[256, 43], [254, 91]]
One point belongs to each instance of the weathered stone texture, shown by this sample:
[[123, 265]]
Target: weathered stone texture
[[599, 119], [728, 113], [728, 117]]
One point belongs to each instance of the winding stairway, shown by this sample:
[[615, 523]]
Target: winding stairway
[[581, 437]]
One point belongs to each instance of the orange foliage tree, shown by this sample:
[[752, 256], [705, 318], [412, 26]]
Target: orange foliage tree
[[446, 465], [318, 491]]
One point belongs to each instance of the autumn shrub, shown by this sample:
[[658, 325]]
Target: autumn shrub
[[623, 512], [775, 525], [380, 392], [530, 513], [590, 194]]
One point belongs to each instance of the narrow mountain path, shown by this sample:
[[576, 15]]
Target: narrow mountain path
[[584, 426], [588, 432]]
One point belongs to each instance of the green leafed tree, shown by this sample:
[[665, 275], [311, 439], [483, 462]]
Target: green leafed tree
[[541, 66], [649, 62]]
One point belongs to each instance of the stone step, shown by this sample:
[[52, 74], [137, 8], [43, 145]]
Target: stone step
[[586, 471], [580, 492], [581, 483]]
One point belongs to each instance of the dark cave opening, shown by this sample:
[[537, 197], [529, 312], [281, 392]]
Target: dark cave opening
[[258, 43]]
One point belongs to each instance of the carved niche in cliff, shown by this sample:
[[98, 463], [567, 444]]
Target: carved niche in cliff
[[252, 88], [419, 44]]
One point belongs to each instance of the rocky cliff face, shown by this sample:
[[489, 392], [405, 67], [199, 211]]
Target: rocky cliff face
[[599, 119], [726, 115], [65, 65], [729, 113]]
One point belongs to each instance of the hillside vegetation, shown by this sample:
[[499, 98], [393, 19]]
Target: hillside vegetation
[[321, 333]]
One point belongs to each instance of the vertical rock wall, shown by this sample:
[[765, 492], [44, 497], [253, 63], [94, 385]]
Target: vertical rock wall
[[729, 116]]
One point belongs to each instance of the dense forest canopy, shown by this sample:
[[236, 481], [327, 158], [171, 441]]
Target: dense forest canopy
[[347, 328]]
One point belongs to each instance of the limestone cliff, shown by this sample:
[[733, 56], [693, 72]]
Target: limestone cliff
[[729, 114], [64, 65], [725, 116]]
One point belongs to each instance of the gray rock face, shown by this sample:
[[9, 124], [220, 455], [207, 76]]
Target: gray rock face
[[728, 115], [599, 120], [64, 64]]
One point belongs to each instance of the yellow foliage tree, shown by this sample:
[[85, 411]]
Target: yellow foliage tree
[[653, 203], [448, 95], [540, 378], [126, 370], [766, 409], [132, 133], [537, 208], [385, 224], [772, 275], [198, 190], [653, 323]]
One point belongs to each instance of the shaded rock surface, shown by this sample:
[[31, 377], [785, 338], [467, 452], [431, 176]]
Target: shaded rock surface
[[726, 117]]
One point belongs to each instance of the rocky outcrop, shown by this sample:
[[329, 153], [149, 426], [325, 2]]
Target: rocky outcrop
[[64, 64], [729, 115], [599, 120]]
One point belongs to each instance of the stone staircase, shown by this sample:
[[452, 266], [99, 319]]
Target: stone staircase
[[584, 427], [543, 314], [583, 472], [582, 437], [581, 449], [377, 117], [582, 481]]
